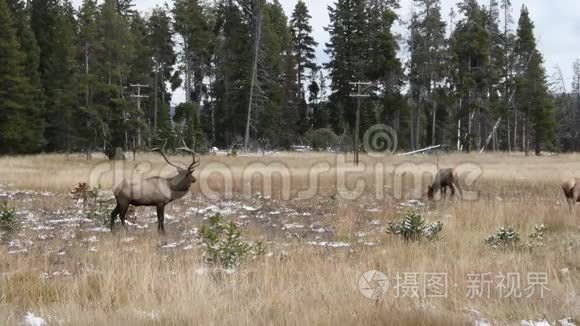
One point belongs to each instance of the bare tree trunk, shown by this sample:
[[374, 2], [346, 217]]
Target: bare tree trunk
[[212, 83], [508, 125], [87, 97], [433, 136], [469, 132], [418, 128], [459, 107], [253, 80], [515, 129], [527, 132], [412, 125], [155, 105], [524, 136]]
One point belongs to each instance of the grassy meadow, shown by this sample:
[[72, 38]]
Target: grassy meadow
[[323, 224]]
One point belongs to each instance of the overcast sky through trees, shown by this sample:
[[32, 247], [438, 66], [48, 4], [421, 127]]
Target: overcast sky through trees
[[557, 27]]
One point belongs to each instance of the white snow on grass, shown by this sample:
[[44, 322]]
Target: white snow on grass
[[225, 208], [72, 220], [535, 323], [170, 245], [43, 228], [566, 322], [101, 229], [31, 320], [292, 226], [319, 230], [151, 315], [414, 203], [250, 209], [330, 244]]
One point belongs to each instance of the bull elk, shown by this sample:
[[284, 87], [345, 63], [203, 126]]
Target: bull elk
[[155, 191], [445, 179], [572, 192]]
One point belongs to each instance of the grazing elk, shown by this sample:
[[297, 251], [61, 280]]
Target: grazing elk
[[572, 192], [154, 191], [445, 178]]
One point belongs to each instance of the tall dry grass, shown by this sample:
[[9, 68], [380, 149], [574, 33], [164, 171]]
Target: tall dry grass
[[139, 283], [57, 173]]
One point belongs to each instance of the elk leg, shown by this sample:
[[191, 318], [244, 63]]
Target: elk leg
[[160, 219], [456, 185], [123, 216], [571, 205], [114, 214]]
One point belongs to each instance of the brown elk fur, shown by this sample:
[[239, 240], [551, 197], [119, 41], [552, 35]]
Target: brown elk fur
[[445, 179], [572, 192], [154, 191]]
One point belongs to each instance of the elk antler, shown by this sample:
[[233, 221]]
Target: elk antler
[[162, 152], [194, 162]]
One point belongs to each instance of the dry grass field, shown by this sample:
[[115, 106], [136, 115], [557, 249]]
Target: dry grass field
[[323, 224]]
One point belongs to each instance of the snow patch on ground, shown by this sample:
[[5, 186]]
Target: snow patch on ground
[[330, 244], [292, 226], [535, 323], [151, 315], [31, 320], [414, 203], [566, 322], [170, 245]]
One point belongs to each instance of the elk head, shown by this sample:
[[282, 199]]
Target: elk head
[[184, 176]]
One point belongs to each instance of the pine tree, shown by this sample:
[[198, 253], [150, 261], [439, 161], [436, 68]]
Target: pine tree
[[189, 127], [507, 47], [470, 58], [28, 43], [61, 76], [116, 54], [232, 75], [346, 50], [427, 68], [191, 23], [495, 70], [160, 41], [31, 50], [533, 99], [382, 65], [90, 122], [304, 44], [575, 105], [21, 126]]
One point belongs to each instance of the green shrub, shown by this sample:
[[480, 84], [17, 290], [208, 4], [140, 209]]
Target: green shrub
[[506, 237], [537, 238], [95, 208], [223, 243], [322, 139], [7, 217], [413, 227]]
